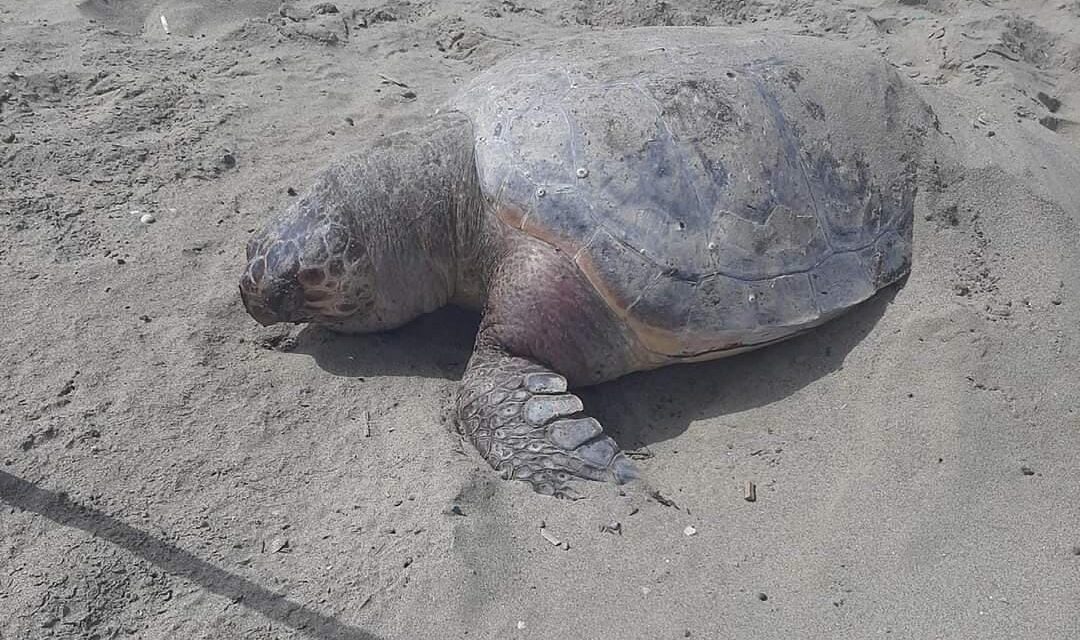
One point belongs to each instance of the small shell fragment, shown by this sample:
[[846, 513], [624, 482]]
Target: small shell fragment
[[165, 25], [689, 531], [582, 172], [555, 542], [749, 492], [147, 218]]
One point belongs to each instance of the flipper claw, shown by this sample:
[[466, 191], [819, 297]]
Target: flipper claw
[[518, 414]]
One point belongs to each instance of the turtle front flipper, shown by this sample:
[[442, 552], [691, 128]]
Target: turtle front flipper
[[518, 414]]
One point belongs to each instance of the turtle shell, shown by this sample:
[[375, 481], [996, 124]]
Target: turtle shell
[[719, 189]]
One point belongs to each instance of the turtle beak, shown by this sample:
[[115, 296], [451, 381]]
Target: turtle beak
[[261, 314], [282, 302], [269, 287]]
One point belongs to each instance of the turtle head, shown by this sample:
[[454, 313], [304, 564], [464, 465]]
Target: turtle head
[[307, 268], [350, 254]]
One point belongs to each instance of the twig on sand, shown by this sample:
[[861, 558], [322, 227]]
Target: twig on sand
[[388, 80], [662, 499]]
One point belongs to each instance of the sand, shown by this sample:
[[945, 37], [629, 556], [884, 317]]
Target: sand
[[169, 469]]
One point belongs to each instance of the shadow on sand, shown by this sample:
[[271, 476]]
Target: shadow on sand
[[654, 406], [58, 508], [437, 345], [638, 409]]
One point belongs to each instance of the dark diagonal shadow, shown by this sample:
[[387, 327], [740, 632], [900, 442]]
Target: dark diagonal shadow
[[58, 508]]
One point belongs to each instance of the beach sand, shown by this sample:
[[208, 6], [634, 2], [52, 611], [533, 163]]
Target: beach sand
[[170, 469]]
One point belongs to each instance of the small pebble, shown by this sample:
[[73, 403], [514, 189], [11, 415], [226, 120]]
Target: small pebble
[[1027, 471], [582, 172], [520, 625], [689, 531], [147, 218], [9, 137], [761, 596]]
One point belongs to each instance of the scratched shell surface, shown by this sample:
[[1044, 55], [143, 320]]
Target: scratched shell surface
[[718, 189]]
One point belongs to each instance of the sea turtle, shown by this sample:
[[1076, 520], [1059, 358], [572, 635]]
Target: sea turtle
[[613, 202]]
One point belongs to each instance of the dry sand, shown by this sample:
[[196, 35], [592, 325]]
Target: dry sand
[[169, 469]]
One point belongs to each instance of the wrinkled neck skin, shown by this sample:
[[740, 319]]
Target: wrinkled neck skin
[[480, 239], [422, 221]]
